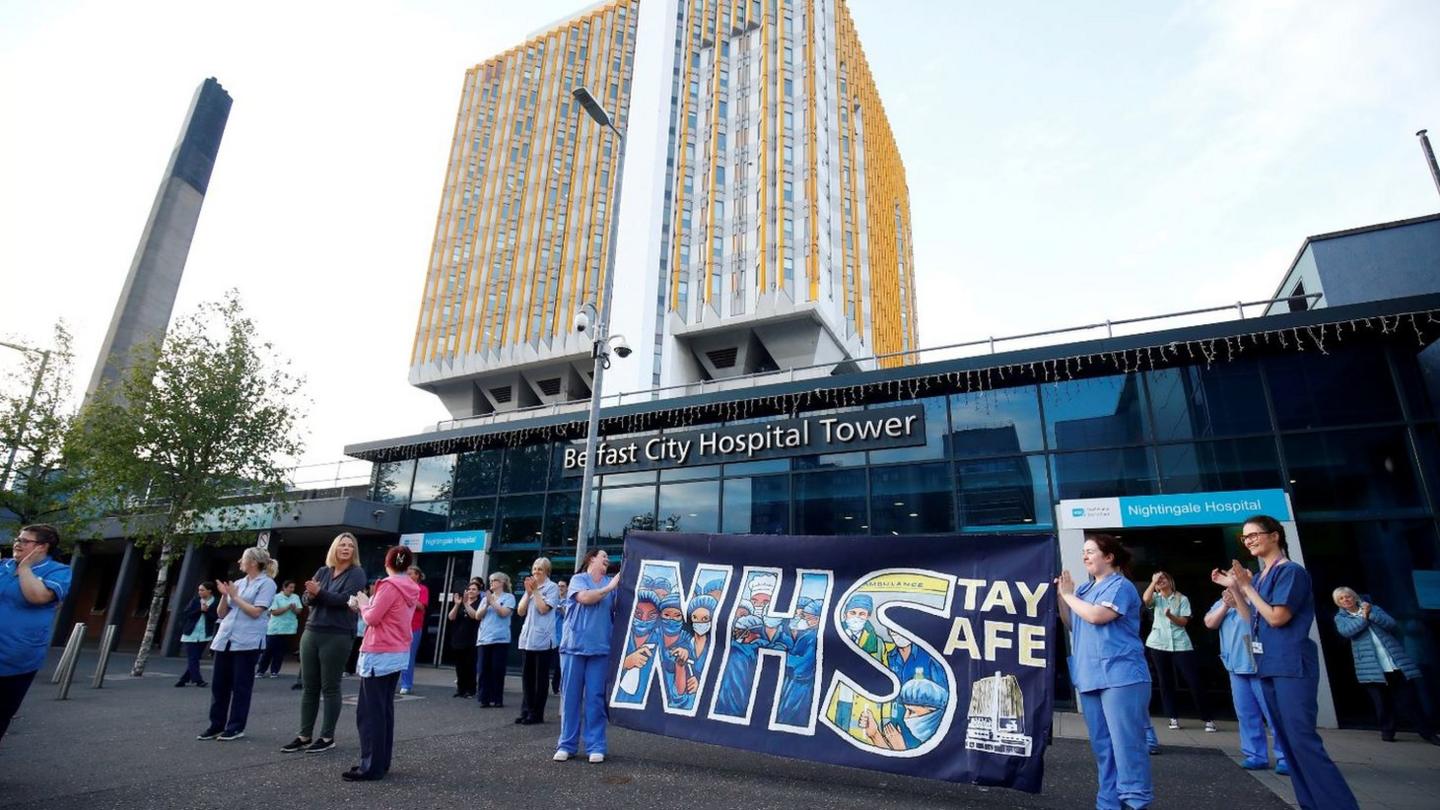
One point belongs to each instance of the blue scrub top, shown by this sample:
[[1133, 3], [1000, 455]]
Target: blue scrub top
[[1288, 651], [1108, 655], [25, 628], [1234, 641], [587, 627]]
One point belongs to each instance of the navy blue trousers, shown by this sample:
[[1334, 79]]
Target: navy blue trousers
[[1317, 781], [231, 683], [194, 651], [276, 648], [12, 693], [375, 723]]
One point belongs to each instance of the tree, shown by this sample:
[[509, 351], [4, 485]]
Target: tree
[[35, 421], [193, 443]]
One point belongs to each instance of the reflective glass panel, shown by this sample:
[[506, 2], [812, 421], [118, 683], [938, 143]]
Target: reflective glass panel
[[769, 465], [526, 468], [1197, 402], [996, 423], [1347, 470], [519, 521], [425, 517], [1103, 473], [936, 426], [433, 481], [1095, 412], [758, 505], [558, 478], [474, 513], [1420, 380], [624, 509], [831, 502], [562, 516], [478, 473], [1222, 465], [911, 499], [690, 473], [690, 507], [1348, 386], [392, 481], [1004, 492]]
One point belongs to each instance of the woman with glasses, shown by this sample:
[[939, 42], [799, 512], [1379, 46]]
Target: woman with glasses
[[32, 586], [1109, 670], [1282, 608]]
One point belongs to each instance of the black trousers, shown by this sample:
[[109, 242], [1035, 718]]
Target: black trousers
[[194, 651], [375, 723], [1166, 663], [12, 694], [492, 673], [465, 669], [232, 680], [1397, 689], [354, 659], [535, 669], [276, 648]]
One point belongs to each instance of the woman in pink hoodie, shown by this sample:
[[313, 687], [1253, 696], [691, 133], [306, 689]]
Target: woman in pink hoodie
[[383, 656]]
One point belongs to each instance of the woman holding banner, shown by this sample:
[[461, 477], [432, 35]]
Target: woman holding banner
[[585, 655], [1109, 671]]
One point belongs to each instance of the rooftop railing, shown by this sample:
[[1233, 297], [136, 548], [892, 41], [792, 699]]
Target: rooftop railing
[[950, 351]]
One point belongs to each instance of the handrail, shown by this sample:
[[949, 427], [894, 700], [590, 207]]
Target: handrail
[[752, 380]]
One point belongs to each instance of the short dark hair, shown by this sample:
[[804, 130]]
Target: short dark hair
[[43, 533], [287, 584], [399, 558], [208, 585], [1111, 546], [1273, 526]]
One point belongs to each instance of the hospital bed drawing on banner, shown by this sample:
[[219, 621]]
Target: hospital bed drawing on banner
[[997, 717]]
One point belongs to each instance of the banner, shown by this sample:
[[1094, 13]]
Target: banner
[[926, 656]]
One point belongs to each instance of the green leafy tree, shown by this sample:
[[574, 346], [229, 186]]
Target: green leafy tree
[[194, 442], [36, 415]]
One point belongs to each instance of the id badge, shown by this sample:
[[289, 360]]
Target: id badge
[[1257, 648]]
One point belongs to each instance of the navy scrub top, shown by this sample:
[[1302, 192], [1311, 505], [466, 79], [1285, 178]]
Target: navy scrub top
[[1288, 651]]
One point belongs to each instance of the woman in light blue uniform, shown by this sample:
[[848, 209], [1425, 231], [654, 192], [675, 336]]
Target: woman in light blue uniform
[[1109, 671], [1287, 661], [1231, 616], [585, 653]]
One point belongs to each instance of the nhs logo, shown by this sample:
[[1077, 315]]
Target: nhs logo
[[1078, 511], [1089, 513]]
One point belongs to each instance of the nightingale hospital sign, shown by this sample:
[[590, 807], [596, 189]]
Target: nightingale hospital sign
[[833, 433]]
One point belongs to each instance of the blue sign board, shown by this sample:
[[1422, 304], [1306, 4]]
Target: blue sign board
[[472, 540], [1189, 509]]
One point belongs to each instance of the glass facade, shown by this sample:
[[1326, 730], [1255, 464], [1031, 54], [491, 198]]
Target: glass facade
[[1350, 434]]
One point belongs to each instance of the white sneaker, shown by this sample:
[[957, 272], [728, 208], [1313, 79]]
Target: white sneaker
[[597, 758], [1174, 724], [407, 691], [1210, 728], [561, 756]]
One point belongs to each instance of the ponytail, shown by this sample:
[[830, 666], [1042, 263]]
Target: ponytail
[[263, 560]]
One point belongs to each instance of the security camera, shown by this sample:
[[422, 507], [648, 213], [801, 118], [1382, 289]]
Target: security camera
[[584, 318], [621, 348]]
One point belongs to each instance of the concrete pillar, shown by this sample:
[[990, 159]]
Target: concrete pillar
[[124, 584], [182, 588], [65, 614]]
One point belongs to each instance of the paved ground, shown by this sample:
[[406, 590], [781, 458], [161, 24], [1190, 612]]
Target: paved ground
[[131, 745]]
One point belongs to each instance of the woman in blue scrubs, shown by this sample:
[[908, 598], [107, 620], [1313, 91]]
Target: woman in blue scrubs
[[585, 656], [1287, 661], [1109, 671]]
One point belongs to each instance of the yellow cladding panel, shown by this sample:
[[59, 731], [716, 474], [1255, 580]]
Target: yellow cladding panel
[[503, 267], [885, 193]]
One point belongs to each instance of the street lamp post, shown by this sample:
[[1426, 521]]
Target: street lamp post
[[29, 404], [599, 347]]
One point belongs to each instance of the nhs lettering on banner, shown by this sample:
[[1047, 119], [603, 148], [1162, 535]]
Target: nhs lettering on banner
[[835, 433], [928, 656]]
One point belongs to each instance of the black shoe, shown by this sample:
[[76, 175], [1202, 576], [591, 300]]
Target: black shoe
[[230, 736], [1433, 739], [295, 746], [531, 721], [320, 745], [209, 734], [357, 775], [182, 682], [522, 720], [1387, 738], [201, 683], [297, 685]]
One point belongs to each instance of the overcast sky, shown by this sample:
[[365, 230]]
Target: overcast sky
[[1067, 162]]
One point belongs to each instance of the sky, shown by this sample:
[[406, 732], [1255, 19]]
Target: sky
[[1067, 162]]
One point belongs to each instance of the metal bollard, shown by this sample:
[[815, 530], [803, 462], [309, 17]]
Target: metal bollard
[[106, 642], [72, 649], [67, 674]]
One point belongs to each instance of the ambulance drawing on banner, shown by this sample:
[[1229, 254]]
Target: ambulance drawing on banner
[[997, 717]]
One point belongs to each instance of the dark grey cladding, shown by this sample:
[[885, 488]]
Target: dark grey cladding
[[195, 155], [143, 310]]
